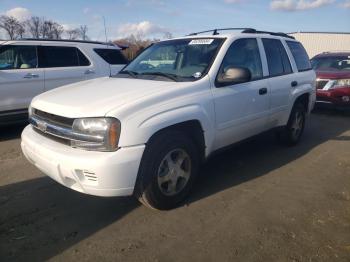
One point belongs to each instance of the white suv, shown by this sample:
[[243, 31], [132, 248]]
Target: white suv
[[31, 67], [147, 130]]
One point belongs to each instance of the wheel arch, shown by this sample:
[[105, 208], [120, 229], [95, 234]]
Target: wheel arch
[[192, 120]]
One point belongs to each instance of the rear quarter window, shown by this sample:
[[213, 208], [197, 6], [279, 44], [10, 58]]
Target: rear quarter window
[[301, 58], [111, 56]]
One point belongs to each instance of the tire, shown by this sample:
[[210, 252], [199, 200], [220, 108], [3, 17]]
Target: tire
[[168, 169], [292, 132]]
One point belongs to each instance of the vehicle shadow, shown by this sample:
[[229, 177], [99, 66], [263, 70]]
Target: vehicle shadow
[[39, 219], [263, 154], [11, 131]]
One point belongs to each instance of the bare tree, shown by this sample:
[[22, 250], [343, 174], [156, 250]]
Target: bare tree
[[57, 31], [83, 32], [73, 33], [135, 45], [51, 30], [20, 30], [12, 26], [34, 26]]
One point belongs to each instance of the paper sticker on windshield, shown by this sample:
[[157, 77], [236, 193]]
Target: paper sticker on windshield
[[201, 42]]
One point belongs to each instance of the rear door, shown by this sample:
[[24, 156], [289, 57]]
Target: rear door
[[20, 77], [280, 79], [64, 65]]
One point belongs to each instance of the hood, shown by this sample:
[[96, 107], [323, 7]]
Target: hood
[[332, 74], [97, 97]]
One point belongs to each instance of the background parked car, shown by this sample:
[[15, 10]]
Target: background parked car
[[333, 78], [30, 67]]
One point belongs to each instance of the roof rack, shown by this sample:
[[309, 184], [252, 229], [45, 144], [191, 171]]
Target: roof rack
[[66, 40], [244, 30], [216, 31], [253, 31]]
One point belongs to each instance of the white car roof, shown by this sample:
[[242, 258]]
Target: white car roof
[[234, 33], [64, 42]]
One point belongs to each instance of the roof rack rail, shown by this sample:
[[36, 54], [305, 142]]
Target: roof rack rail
[[66, 40], [253, 31], [244, 30], [216, 31]]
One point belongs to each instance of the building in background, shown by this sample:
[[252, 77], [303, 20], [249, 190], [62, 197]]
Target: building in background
[[319, 42]]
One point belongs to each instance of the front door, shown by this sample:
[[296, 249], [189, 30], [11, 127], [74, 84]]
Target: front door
[[20, 77], [242, 110]]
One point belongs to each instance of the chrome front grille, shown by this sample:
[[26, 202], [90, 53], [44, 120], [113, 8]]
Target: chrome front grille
[[53, 119], [59, 128]]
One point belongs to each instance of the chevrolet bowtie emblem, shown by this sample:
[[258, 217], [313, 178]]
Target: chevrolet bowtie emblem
[[42, 126]]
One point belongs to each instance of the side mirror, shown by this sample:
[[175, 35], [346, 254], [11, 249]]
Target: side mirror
[[234, 75]]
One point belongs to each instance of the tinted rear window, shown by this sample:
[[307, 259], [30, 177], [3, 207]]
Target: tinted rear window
[[277, 57], [300, 56], [111, 56], [62, 56]]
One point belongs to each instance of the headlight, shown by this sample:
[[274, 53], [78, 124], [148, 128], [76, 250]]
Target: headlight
[[341, 83], [98, 134]]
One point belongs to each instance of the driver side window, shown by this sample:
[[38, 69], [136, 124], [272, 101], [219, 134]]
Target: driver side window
[[18, 57], [244, 53]]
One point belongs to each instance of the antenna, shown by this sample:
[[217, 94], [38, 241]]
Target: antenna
[[104, 24]]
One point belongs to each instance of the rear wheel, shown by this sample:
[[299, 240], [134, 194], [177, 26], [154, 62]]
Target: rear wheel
[[167, 171], [292, 132]]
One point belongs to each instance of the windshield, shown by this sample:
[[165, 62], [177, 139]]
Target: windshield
[[336, 63], [174, 60]]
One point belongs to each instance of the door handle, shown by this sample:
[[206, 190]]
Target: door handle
[[31, 75], [263, 91], [89, 71], [294, 84]]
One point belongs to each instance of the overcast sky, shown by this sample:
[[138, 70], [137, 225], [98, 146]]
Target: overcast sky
[[154, 17]]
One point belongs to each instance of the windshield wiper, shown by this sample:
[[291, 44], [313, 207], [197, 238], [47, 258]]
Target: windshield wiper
[[168, 75], [129, 72]]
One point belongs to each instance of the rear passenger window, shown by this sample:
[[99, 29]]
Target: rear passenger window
[[277, 58], [244, 53], [111, 56], [57, 56], [300, 56], [62, 56]]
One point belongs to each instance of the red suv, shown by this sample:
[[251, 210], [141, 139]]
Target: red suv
[[333, 78]]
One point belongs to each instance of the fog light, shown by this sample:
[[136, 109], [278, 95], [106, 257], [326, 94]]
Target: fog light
[[346, 98]]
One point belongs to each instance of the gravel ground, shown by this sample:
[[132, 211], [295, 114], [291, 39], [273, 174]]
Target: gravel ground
[[259, 201]]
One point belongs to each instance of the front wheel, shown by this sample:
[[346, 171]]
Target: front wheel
[[167, 171], [292, 132]]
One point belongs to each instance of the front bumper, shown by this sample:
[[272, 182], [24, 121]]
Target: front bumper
[[339, 97], [95, 173]]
